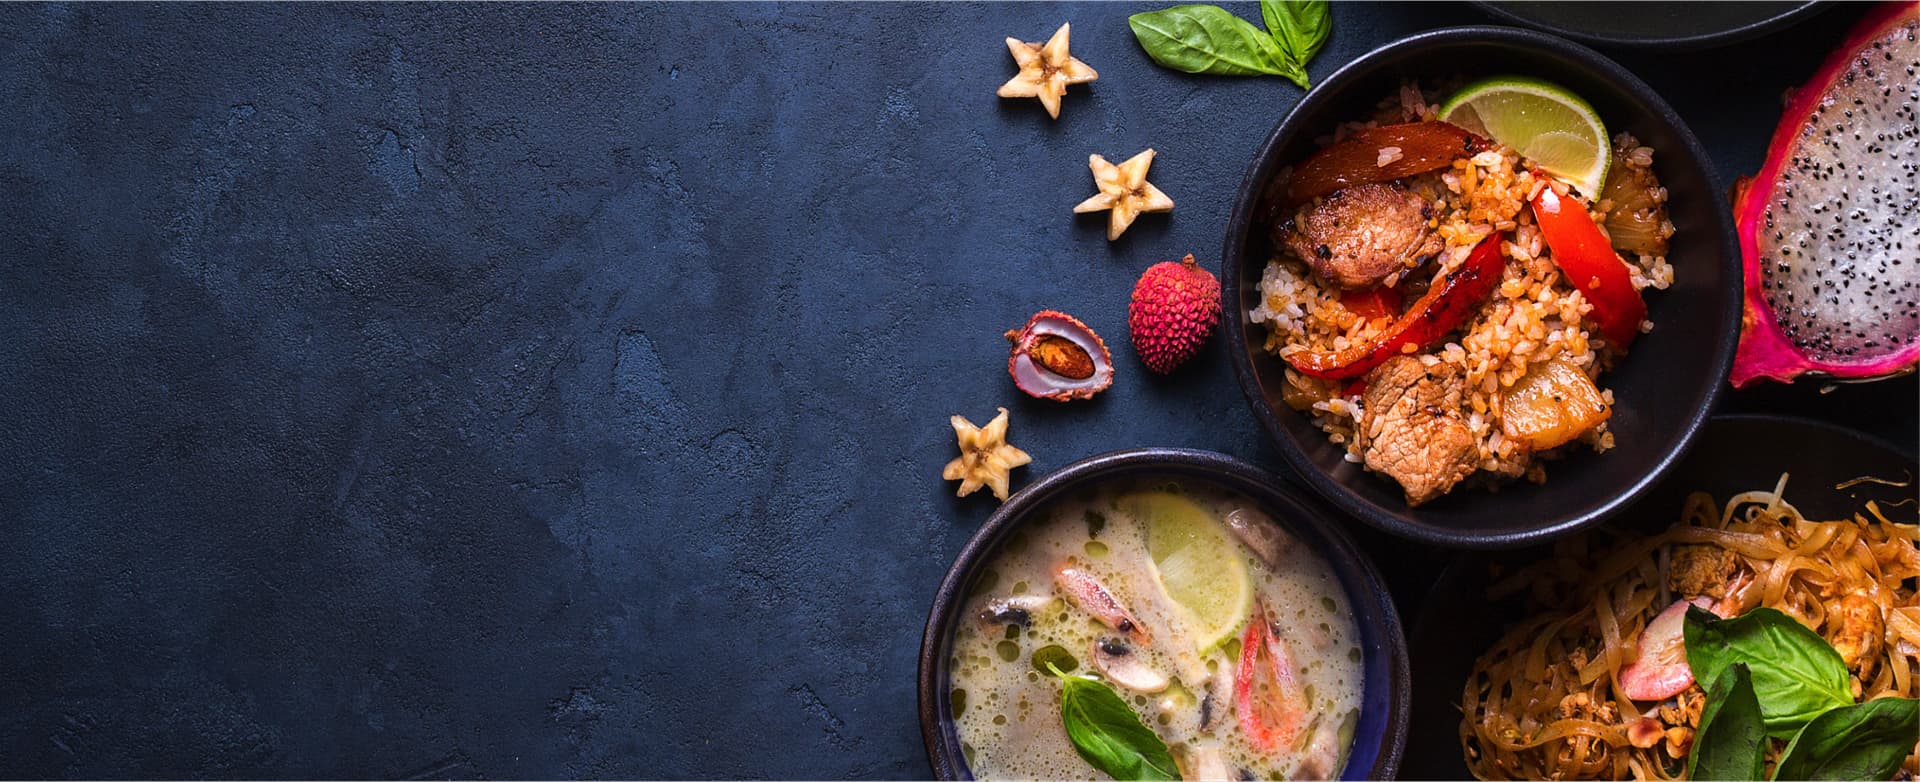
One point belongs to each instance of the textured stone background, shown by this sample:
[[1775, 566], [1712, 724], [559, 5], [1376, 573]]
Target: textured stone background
[[553, 391]]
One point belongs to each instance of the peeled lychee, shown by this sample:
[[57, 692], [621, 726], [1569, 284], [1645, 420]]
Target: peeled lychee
[[1175, 307]]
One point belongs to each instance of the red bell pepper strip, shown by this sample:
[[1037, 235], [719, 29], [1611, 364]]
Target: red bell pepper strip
[[1591, 266], [1355, 160], [1442, 309], [1378, 301], [1266, 697], [1372, 303]]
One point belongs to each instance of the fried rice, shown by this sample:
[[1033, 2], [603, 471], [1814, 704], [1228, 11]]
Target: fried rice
[[1533, 316]]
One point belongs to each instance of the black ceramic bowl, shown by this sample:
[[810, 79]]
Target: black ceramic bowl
[[1736, 453], [1664, 389], [1682, 26], [1382, 731]]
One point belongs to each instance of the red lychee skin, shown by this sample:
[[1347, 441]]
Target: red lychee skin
[[1175, 307]]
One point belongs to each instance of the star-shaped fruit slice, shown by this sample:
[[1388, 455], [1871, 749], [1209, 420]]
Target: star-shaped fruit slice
[[1125, 191], [1045, 71], [985, 457]]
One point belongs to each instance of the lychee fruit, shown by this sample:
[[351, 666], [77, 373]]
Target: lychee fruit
[[1175, 307]]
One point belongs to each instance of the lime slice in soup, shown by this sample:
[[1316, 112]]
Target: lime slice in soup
[[1542, 121], [1196, 563]]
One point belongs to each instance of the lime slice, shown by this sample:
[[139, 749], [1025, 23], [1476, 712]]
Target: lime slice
[[1195, 563], [1542, 121]]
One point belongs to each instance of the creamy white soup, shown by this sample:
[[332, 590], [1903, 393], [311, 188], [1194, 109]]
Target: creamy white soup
[[1229, 639]]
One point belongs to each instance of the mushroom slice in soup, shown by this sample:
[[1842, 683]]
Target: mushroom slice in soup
[[1203, 763], [1217, 701], [1121, 663], [1014, 610], [1326, 751], [1260, 534]]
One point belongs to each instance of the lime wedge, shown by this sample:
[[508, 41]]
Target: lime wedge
[[1542, 121], [1195, 563]]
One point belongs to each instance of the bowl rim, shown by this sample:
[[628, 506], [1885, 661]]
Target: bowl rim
[[1340, 551], [1399, 523], [1681, 43]]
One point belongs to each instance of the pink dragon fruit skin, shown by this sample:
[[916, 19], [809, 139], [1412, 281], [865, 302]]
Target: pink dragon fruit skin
[[1838, 184]]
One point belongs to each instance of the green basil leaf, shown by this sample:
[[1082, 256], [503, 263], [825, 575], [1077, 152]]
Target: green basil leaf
[[1273, 13], [1108, 735], [1864, 742], [1732, 741], [1796, 674], [1207, 39], [1300, 27]]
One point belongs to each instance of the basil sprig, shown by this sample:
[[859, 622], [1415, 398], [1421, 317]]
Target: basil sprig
[[1732, 741], [1208, 39], [1300, 28], [1773, 677], [1868, 741], [1796, 675], [1108, 735]]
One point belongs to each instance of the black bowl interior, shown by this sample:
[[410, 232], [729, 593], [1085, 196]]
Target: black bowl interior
[[1664, 389], [1736, 454], [1383, 727], [1678, 26]]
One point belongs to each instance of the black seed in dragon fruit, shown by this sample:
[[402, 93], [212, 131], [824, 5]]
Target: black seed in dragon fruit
[[1830, 227]]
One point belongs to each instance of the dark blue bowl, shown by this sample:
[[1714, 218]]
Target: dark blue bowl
[[1382, 732], [1664, 389]]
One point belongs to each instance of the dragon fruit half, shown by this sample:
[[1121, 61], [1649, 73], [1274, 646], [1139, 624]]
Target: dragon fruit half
[[1830, 227]]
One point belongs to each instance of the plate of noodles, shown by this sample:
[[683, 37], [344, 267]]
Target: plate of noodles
[[1569, 660]]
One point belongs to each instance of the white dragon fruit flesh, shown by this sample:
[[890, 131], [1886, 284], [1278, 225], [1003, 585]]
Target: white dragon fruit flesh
[[1830, 227]]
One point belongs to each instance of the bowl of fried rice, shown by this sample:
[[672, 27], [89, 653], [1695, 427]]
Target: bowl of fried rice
[[1452, 332]]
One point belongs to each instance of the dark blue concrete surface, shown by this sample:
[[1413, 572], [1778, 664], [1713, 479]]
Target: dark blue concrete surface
[[561, 390]]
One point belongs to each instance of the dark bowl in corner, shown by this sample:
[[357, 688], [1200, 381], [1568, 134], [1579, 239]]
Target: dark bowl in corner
[[1664, 389], [1381, 735], [1736, 453], [1683, 26]]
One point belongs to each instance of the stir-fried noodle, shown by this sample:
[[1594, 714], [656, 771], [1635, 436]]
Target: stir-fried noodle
[[1545, 703]]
